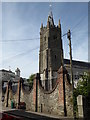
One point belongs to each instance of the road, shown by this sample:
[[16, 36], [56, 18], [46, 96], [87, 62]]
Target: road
[[34, 116]]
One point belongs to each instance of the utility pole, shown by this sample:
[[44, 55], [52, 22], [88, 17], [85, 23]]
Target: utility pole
[[71, 71], [69, 38], [62, 64]]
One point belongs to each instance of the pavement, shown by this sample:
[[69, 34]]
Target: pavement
[[29, 115], [6, 109]]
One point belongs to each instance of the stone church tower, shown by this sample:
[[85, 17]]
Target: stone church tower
[[50, 56]]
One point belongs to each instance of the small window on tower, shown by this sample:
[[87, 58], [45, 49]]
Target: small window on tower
[[45, 38], [55, 56], [55, 37]]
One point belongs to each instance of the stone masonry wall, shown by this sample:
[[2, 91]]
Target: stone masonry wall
[[29, 97], [57, 101], [52, 102]]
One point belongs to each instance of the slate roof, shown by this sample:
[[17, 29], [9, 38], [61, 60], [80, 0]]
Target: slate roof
[[77, 63], [3, 70]]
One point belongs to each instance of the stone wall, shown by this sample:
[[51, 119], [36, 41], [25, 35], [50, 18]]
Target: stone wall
[[5, 98], [10, 96], [57, 101], [29, 97]]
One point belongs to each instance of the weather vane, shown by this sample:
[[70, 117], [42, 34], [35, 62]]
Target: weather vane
[[50, 9], [50, 5]]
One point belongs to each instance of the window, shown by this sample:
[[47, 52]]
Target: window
[[55, 37], [45, 38], [55, 56]]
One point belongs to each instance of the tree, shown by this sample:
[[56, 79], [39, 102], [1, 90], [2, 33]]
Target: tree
[[89, 83], [83, 86], [31, 78]]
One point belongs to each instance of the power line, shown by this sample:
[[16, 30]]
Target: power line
[[81, 20], [64, 35], [18, 40], [73, 28], [30, 39], [22, 54]]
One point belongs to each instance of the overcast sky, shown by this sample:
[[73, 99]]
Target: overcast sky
[[22, 21]]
